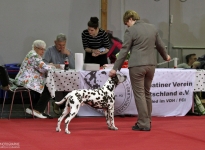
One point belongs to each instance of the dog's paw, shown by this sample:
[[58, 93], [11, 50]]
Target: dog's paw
[[67, 131], [112, 128], [58, 129]]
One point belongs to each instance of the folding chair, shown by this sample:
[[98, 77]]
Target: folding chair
[[8, 85]]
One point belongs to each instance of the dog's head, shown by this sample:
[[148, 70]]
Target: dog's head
[[118, 78]]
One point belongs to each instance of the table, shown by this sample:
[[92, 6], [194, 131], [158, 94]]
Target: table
[[172, 89], [200, 81], [61, 80]]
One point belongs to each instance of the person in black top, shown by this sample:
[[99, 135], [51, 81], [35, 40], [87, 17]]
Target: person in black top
[[95, 43]]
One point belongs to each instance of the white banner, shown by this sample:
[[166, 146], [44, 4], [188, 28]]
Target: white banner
[[124, 103], [172, 92]]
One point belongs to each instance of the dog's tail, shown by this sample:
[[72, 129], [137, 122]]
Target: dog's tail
[[63, 100]]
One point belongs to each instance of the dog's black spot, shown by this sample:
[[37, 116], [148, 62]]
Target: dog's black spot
[[72, 101], [110, 87], [80, 100], [99, 92], [111, 100]]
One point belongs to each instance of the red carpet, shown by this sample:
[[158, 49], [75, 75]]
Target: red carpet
[[171, 133]]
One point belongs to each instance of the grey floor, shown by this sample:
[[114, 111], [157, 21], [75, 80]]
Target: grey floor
[[18, 111]]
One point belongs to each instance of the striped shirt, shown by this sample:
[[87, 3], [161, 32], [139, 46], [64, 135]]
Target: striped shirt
[[99, 41]]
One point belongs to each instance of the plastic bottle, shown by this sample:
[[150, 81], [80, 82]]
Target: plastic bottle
[[66, 63]]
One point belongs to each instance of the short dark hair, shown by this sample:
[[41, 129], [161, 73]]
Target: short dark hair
[[110, 37], [188, 57], [93, 23]]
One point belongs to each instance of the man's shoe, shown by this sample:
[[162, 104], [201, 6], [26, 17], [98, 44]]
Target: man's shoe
[[56, 108], [137, 128], [137, 125], [47, 115], [35, 113]]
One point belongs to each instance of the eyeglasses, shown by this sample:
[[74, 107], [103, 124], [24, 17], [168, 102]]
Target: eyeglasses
[[43, 49]]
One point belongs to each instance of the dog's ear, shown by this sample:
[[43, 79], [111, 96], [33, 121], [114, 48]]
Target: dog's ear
[[121, 78]]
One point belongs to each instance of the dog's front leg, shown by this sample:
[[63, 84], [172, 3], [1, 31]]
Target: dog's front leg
[[111, 118]]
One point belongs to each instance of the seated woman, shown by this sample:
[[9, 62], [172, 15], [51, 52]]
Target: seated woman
[[32, 75]]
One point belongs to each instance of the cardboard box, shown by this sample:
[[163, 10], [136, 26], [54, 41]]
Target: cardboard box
[[91, 67]]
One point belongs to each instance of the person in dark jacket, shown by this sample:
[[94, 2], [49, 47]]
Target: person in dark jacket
[[115, 46]]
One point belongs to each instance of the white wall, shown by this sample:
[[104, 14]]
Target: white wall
[[187, 29], [23, 21], [150, 11]]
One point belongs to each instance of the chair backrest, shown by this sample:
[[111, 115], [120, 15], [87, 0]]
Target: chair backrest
[[4, 77]]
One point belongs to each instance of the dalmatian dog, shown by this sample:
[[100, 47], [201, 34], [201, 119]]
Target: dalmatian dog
[[101, 98]]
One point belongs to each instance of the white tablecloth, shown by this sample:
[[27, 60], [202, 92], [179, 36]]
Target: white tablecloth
[[60, 80], [180, 83]]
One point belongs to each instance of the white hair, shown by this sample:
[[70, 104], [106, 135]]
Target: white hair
[[39, 44]]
